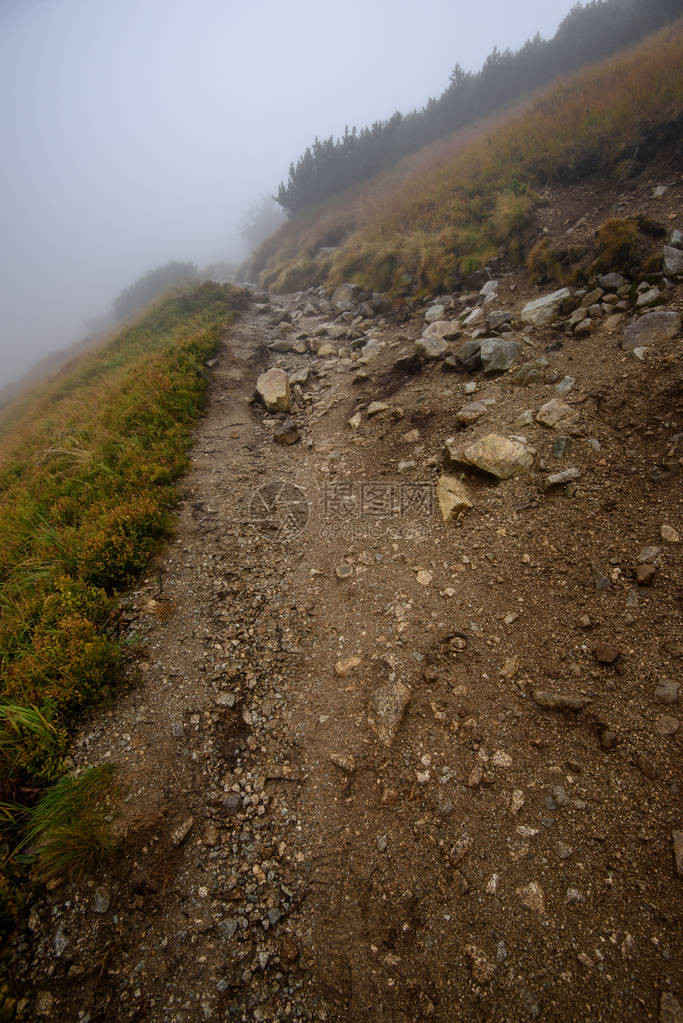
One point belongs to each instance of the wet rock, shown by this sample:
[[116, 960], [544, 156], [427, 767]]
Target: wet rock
[[430, 348], [387, 709], [287, 433], [452, 497], [560, 701], [555, 414], [651, 329], [498, 356], [272, 388], [543, 311], [495, 455]]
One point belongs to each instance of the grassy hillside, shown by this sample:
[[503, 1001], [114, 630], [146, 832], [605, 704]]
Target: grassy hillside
[[87, 466], [447, 210]]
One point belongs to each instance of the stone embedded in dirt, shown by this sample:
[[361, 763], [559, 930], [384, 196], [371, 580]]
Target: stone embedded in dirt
[[531, 895], [344, 571], [605, 653], [434, 313], [369, 350], [300, 377], [498, 356], [667, 692], [673, 261], [669, 535], [670, 1010], [646, 767], [101, 900], [425, 578], [557, 479], [494, 454], [560, 701], [517, 801], [430, 348], [469, 414], [469, 355], [482, 968], [612, 281], [346, 666], [287, 433], [408, 361], [645, 575], [543, 311], [475, 776], [648, 555], [376, 407], [346, 762], [650, 329], [452, 497], [563, 850], [387, 709], [355, 421], [444, 330], [556, 413], [326, 350], [182, 831], [44, 1004], [667, 726], [565, 385], [677, 837], [501, 759], [273, 390], [608, 738], [461, 848]]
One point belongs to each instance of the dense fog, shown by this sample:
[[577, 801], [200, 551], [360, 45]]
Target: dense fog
[[134, 133]]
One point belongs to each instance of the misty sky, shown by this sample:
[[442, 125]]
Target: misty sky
[[138, 131]]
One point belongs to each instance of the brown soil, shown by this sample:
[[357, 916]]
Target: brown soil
[[492, 859]]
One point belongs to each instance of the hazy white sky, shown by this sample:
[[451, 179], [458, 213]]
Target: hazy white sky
[[138, 131]]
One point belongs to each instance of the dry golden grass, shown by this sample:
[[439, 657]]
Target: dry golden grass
[[444, 211]]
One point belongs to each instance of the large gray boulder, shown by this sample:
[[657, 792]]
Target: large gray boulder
[[543, 311], [346, 297], [273, 390], [498, 356], [651, 329]]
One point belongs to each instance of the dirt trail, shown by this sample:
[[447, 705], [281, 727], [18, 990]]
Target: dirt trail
[[343, 801]]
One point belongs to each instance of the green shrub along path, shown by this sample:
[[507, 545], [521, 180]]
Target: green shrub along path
[[87, 469]]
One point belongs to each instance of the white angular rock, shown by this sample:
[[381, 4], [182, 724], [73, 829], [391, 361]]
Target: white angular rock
[[272, 388], [673, 261], [435, 312], [543, 310]]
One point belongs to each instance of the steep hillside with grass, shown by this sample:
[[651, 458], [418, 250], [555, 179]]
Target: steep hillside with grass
[[87, 467], [421, 228]]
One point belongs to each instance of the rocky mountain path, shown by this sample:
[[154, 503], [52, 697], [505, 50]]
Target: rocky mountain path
[[377, 764]]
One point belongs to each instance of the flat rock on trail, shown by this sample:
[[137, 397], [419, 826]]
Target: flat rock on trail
[[374, 765]]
